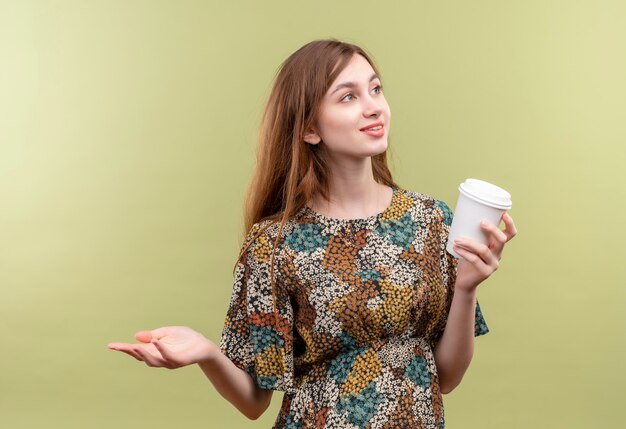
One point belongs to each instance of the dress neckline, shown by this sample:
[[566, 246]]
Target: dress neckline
[[337, 220]]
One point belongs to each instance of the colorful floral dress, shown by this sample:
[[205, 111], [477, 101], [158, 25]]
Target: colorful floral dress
[[361, 304]]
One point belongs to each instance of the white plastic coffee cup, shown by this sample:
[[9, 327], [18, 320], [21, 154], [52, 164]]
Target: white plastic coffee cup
[[478, 200]]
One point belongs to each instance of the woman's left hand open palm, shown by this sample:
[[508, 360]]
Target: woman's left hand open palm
[[478, 260]]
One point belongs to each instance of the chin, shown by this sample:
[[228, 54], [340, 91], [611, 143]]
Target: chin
[[382, 148]]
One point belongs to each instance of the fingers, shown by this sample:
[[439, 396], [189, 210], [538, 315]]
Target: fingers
[[479, 265], [151, 359], [144, 336], [163, 350], [124, 348], [510, 230], [142, 352], [496, 238], [478, 254], [499, 238], [498, 235], [147, 336], [171, 360], [132, 353]]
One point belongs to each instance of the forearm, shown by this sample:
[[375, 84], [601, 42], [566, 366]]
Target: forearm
[[235, 385], [455, 348]]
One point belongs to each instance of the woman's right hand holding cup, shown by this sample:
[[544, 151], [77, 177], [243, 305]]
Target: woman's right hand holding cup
[[169, 347]]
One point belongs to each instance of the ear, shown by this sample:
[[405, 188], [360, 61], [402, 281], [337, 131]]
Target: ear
[[312, 137]]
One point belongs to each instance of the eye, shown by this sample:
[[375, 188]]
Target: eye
[[378, 88], [347, 95]]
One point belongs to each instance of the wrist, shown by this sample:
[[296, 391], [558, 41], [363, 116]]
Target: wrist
[[466, 293], [208, 353]]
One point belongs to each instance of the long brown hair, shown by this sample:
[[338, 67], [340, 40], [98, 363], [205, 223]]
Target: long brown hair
[[289, 172]]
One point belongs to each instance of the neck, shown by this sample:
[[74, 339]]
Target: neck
[[353, 193]]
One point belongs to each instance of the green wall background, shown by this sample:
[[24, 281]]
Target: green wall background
[[127, 139]]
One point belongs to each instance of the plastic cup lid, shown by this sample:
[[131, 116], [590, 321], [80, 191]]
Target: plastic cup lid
[[486, 193]]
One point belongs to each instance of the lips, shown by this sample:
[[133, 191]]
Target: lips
[[376, 130], [371, 126]]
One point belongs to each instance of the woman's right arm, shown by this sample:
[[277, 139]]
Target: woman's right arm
[[235, 385], [176, 346]]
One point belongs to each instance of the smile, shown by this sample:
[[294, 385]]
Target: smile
[[374, 126], [376, 131]]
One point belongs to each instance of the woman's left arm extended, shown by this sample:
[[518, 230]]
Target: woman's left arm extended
[[455, 348]]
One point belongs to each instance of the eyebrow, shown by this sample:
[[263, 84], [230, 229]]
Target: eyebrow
[[351, 84]]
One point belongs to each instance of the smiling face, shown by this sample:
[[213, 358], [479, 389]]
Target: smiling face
[[353, 102]]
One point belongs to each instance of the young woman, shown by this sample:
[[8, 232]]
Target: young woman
[[345, 297]]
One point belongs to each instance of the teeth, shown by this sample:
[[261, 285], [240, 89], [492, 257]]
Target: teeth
[[374, 128]]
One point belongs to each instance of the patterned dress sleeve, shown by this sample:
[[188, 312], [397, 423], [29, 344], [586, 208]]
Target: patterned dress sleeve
[[448, 266], [255, 337]]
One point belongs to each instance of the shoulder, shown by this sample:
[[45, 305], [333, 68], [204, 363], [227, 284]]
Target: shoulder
[[266, 234], [430, 206]]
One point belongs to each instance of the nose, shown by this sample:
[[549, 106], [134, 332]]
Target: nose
[[372, 107]]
